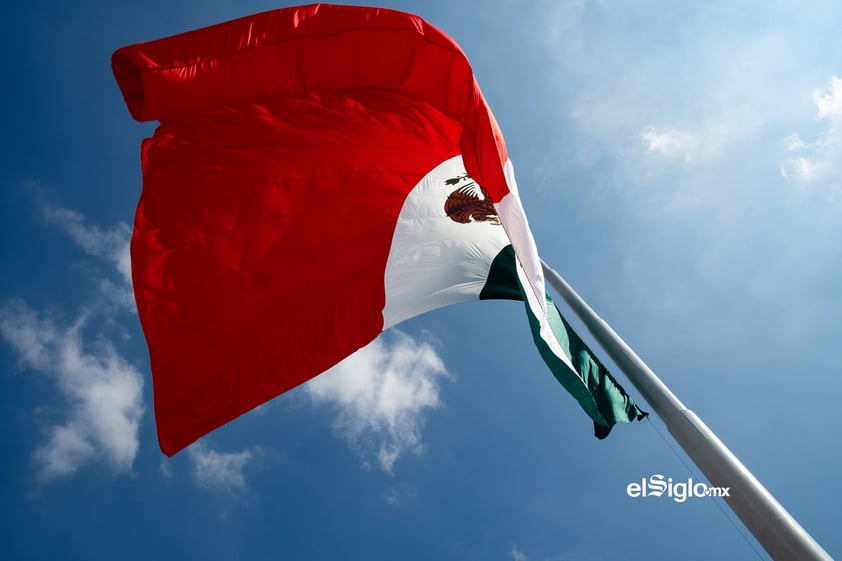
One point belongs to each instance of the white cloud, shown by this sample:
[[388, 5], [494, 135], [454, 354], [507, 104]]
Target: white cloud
[[219, 470], [794, 142], [103, 392], [400, 495], [670, 142], [166, 468], [118, 294], [802, 169], [711, 99], [829, 101], [381, 393], [392, 497], [517, 555], [112, 245], [818, 160]]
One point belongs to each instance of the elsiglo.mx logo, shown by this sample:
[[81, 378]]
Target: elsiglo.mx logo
[[656, 485]]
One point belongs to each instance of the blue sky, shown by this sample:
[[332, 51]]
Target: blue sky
[[680, 164]]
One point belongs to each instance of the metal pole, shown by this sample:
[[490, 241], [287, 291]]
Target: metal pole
[[775, 529]]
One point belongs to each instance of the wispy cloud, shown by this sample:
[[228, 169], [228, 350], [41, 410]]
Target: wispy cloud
[[380, 394], [628, 107], [400, 495], [102, 391], [670, 142], [517, 554], [829, 101], [219, 470], [819, 159], [804, 169], [689, 90], [111, 245]]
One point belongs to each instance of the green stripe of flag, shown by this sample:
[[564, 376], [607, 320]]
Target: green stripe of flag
[[597, 392]]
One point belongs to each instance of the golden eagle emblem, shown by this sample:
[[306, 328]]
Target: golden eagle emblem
[[469, 203]]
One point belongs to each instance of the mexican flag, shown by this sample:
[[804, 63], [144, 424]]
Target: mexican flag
[[320, 174]]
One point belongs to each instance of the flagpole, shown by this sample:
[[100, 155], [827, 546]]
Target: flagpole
[[775, 529]]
